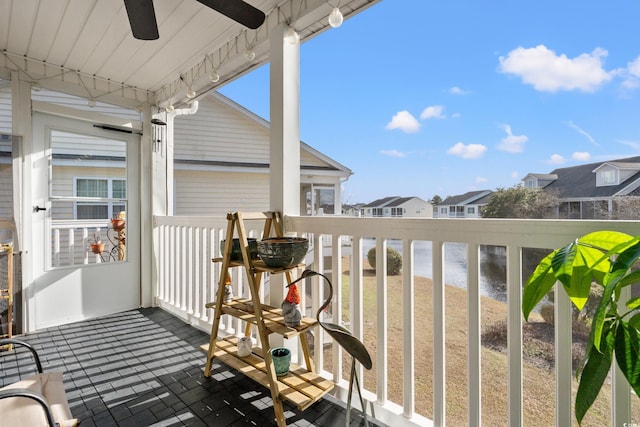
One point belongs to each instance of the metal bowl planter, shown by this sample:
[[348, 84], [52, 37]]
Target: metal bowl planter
[[236, 250], [282, 252]]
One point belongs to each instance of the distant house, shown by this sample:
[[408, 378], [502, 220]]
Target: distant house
[[465, 205], [591, 191], [353, 210], [398, 207]]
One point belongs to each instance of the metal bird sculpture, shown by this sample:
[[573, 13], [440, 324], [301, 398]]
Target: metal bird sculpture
[[351, 344]]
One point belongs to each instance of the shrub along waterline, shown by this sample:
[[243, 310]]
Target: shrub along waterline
[[394, 260]]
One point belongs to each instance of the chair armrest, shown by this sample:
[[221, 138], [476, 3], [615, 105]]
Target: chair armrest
[[23, 392], [13, 341]]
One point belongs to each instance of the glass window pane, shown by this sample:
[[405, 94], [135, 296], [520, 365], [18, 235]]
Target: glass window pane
[[92, 188], [119, 189], [90, 211]]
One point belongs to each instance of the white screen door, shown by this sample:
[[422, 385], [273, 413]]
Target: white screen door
[[84, 264]]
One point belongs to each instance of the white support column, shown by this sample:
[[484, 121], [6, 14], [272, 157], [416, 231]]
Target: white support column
[[285, 124], [337, 203], [146, 211], [22, 126], [284, 169]]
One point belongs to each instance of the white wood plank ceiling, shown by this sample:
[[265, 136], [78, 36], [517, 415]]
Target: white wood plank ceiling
[[85, 47]]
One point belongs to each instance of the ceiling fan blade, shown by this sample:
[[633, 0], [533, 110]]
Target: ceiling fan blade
[[237, 10], [142, 19]]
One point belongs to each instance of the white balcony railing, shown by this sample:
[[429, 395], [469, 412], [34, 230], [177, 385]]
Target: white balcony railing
[[186, 280], [71, 239]]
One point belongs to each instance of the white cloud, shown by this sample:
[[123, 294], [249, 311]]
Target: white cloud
[[458, 91], [512, 143], [470, 151], [433, 112], [632, 79], [581, 156], [583, 132], [633, 144], [404, 121], [515, 174], [393, 153], [548, 72], [556, 159], [481, 180]]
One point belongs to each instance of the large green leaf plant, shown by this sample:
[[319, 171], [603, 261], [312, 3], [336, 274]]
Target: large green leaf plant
[[607, 258]]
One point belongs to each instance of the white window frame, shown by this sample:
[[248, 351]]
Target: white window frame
[[110, 201]]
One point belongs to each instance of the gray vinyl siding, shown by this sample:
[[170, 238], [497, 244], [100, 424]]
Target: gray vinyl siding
[[216, 193], [219, 133]]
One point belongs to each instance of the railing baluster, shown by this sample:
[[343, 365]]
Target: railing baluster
[[514, 334], [336, 306], [381, 320], [408, 330], [563, 362], [356, 312], [85, 245], [439, 353], [474, 368]]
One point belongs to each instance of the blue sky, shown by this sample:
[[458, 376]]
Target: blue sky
[[423, 98]]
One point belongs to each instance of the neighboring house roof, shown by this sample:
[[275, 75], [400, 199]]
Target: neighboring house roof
[[544, 176], [391, 201], [580, 181], [379, 203], [470, 198]]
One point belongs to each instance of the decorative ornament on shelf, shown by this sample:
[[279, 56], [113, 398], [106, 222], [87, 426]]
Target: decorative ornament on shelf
[[291, 307], [228, 290], [245, 346]]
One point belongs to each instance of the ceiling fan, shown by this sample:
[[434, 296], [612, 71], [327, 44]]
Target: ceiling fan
[[142, 17]]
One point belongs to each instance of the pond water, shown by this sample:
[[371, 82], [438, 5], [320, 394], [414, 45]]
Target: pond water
[[492, 265]]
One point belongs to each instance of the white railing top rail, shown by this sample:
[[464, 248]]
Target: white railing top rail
[[500, 232]]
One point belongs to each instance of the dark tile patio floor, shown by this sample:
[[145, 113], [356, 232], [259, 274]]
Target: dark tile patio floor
[[144, 368]]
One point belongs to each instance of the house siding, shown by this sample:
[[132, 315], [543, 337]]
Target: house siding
[[220, 134], [216, 193]]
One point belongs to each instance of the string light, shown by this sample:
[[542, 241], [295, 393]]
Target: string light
[[335, 18], [250, 54]]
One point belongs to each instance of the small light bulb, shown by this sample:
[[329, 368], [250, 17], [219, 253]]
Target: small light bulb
[[191, 93], [169, 108], [291, 36], [215, 77], [335, 18], [249, 54], [92, 103]]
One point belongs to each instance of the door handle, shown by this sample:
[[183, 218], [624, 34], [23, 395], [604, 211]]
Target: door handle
[[38, 209]]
